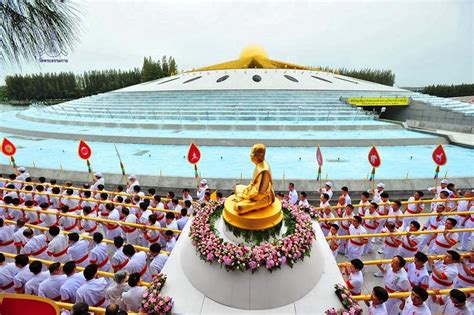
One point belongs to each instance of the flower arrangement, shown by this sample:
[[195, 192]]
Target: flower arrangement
[[153, 302], [292, 247], [351, 307]]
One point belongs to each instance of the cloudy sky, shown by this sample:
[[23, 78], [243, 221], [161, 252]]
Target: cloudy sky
[[423, 42]]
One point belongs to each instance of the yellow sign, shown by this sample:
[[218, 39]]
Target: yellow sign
[[379, 101]]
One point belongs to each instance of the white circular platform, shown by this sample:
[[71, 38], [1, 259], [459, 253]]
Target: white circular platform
[[252, 291]]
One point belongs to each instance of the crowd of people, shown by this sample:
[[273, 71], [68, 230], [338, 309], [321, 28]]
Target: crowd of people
[[424, 273], [131, 233], [125, 234]]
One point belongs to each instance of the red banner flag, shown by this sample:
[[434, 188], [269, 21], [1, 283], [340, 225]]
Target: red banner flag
[[439, 156], [8, 148], [319, 156], [374, 157], [194, 155], [84, 150]]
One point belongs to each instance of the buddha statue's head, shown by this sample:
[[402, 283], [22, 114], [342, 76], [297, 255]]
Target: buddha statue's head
[[258, 153]]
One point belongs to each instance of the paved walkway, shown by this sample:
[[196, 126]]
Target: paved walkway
[[459, 137]]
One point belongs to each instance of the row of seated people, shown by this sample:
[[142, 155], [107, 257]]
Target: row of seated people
[[70, 284], [425, 273]]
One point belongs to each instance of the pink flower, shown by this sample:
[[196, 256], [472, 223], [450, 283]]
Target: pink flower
[[227, 260], [283, 260], [270, 263], [210, 257]]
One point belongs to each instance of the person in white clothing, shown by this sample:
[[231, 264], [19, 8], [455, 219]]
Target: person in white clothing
[[36, 245], [22, 175], [131, 233], [181, 222], [345, 226], [187, 195], [67, 223], [98, 180], [112, 229], [379, 189], [364, 204], [113, 294], [170, 221], [57, 247], [395, 211], [417, 272], [415, 304], [152, 235], [118, 260], [8, 272], [48, 217], [89, 226], [133, 181], [292, 194], [303, 202], [73, 282], [327, 190], [370, 225], [170, 240], [93, 291], [438, 189], [6, 238], [444, 241], [455, 304], [466, 272], [378, 298], [132, 298], [324, 201], [99, 255], [345, 194], [413, 208], [432, 224], [355, 246], [444, 272], [395, 280], [50, 287], [326, 214], [78, 250], [333, 241], [32, 285], [383, 210], [24, 274], [409, 242], [201, 189], [159, 259], [353, 276], [137, 262], [18, 238]]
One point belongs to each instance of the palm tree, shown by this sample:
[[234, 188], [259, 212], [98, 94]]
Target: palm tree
[[30, 28]]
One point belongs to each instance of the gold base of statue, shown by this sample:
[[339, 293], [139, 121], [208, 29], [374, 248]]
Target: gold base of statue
[[260, 219]]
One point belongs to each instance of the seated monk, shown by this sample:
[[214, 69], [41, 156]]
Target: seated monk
[[259, 193]]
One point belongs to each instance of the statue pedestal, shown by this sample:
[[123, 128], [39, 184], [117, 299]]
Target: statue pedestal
[[260, 219]]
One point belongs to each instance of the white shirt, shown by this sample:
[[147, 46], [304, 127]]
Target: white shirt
[[7, 274], [170, 244], [133, 298], [414, 207], [137, 263], [99, 256], [303, 203], [380, 309], [50, 287], [31, 287], [19, 238], [450, 309], [396, 281], [92, 292], [89, 226], [356, 231], [6, 234], [114, 294], [118, 259], [99, 181], [57, 248], [419, 277], [21, 278], [441, 245], [292, 197], [78, 250], [182, 222], [329, 192], [410, 309], [47, 218], [158, 263], [355, 282], [70, 286], [450, 271], [35, 244]]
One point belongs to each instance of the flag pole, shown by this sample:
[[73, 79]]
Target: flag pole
[[122, 167]]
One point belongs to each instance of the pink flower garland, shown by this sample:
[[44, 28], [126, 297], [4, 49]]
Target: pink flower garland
[[285, 251]]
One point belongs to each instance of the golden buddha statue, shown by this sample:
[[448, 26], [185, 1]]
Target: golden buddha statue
[[254, 206], [259, 193]]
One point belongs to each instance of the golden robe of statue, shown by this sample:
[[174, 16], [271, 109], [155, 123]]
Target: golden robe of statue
[[259, 193]]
